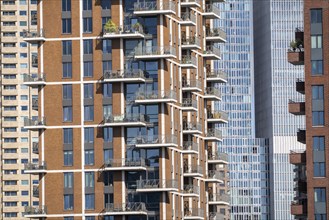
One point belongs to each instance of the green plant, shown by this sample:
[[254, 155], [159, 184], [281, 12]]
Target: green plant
[[299, 44], [110, 26], [137, 26], [293, 45]]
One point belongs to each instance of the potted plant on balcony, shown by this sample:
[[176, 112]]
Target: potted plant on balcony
[[110, 27], [137, 27], [293, 45]]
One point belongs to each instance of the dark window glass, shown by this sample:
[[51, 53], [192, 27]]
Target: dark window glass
[[106, 4], [87, 25], [88, 46], [67, 47], [66, 5], [66, 26], [67, 70], [319, 169], [87, 5], [67, 92], [319, 194], [318, 143], [107, 46], [68, 158], [68, 135], [68, 202], [67, 113], [316, 16], [88, 69], [317, 67]]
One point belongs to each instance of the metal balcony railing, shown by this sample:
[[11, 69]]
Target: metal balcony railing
[[34, 78], [217, 115], [32, 210], [191, 189], [33, 33], [193, 212], [189, 102], [216, 174], [188, 17], [35, 122], [191, 83], [161, 94], [126, 207], [216, 216], [213, 132], [154, 6], [190, 145], [212, 91], [156, 139], [157, 184], [35, 166], [189, 169], [211, 8], [155, 51], [211, 49], [188, 59], [191, 40], [125, 29], [218, 156], [216, 32], [124, 74], [126, 118], [219, 197], [190, 126], [126, 163], [216, 74]]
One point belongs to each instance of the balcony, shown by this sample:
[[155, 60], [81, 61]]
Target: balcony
[[35, 123], [155, 52], [193, 170], [191, 42], [34, 36], [189, 61], [161, 96], [128, 120], [296, 107], [125, 32], [154, 8], [190, 147], [35, 168], [191, 85], [217, 158], [189, 104], [298, 209], [215, 176], [211, 53], [127, 76], [217, 76], [297, 157], [36, 191], [191, 191], [219, 199], [300, 185], [299, 33], [35, 212], [192, 127], [35, 147], [216, 216], [155, 141], [131, 208], [125, 165], [157, 185], [296, 57], [300, 86], [35, 105], [217, 117], [212, 94], [193, 213], [215, 35], [191, 3], [211, 12], [213, 134], [301, 136], [34, 80], [188, 19]]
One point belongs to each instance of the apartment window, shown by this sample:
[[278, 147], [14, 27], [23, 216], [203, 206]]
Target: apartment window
[[319, 194], [22, 13], [25, 203], [66, 5], [10, 151], [318, 143], [68, 135], [68, 218], [87, 5], [68, 158], [88, 91], [24, 97], [106, 5], [317, 67], [317, 105], [66, 25], [89, 112], [107, 46], [10, 171], [10, 182], [9, 108], [10, 140], [67, 113], [25, 193], [68, 202], [11, 193], [87, 25], [90, 201], [89, 157], [90, 179], [107, 66], [8, 204], [67, 92], [34, 18], [107, 90], [10, 129], [10, 214], [10, 118], [319, 169], [316, 41], [68, 180], [316, 16], [88, 69], [88, 46], [89, 135], [24, 108], [67, 70], [90, 218], [67, 47], [108, 134], [9, 66], [23, 55], [108, 155], [107, 110]]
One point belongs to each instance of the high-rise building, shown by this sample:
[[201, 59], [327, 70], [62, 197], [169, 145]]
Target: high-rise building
[[311, 180], [127, 119], [248, 155], [274, 24], [18, 101]]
